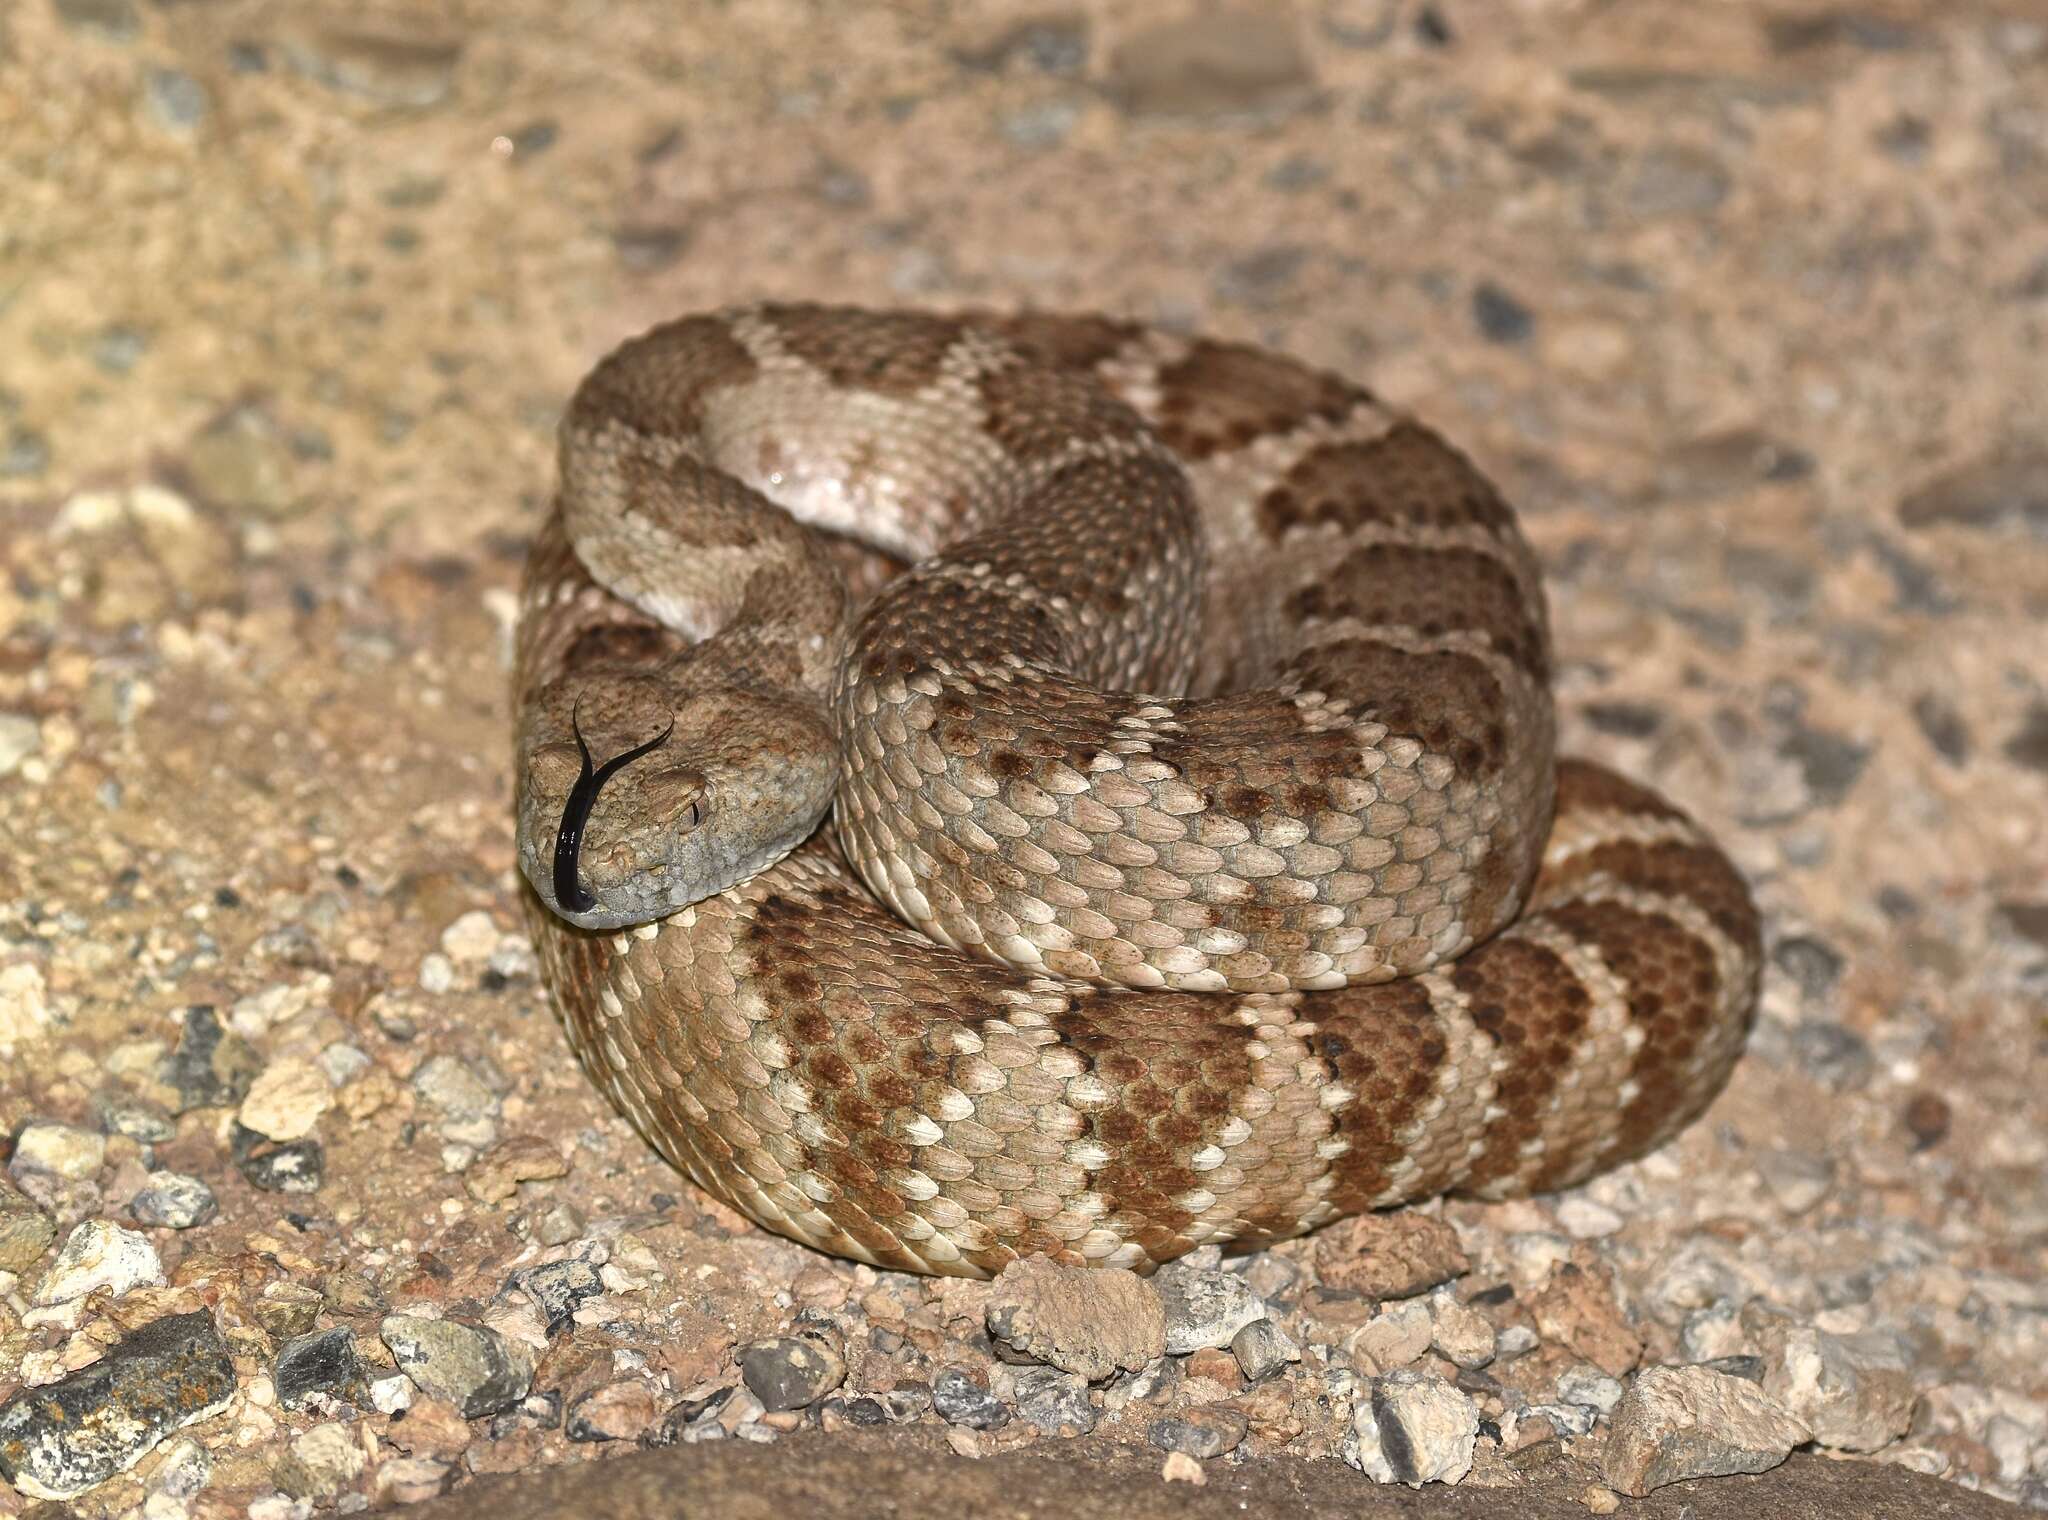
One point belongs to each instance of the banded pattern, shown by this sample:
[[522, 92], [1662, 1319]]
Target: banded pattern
[[1047, 755], [1362, 711]]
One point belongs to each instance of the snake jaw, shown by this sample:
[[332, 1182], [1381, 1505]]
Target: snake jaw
[[569, 893]]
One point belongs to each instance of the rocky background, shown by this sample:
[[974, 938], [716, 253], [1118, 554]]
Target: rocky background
[[307, 1208]]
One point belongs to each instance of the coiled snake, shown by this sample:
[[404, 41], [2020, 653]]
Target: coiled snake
[[1200, 869]]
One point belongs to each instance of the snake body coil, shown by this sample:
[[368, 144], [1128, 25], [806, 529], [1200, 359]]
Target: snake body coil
[[1200, 868]]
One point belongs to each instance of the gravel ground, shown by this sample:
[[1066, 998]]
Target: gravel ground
[[306, 1206]]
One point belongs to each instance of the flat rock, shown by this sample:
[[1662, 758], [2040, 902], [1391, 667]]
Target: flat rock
[[1389, 1255], [61, 1439], [1675, 1423]]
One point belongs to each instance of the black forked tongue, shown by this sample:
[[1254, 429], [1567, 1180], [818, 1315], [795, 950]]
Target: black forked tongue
[[569, 893]]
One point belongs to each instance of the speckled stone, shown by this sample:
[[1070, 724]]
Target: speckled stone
[[61, 1439]]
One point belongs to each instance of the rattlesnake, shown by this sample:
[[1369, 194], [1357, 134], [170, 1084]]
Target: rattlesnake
[[1176, 783]]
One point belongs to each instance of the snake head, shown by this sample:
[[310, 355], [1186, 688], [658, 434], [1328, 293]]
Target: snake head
[[639, 795]]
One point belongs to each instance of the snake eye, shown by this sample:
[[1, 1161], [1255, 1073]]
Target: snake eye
[[674, 796]]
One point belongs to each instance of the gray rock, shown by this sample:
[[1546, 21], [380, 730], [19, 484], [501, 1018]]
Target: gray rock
[[321, 1362], [26, 455], [1813, 963], [295, 1166], [61, 1439], [961, 1398], [1589, 1387], [114, 20], [25, 1231], [1053, 1401], [2028, 746], [396, 70], [1055, 43], [1677, 181], [1203, 1307], [559, 1288], [1463, 1335], [1201, 1433], [212, 1066], [467, 1107], [1676, 1423], [791, 1371], [1413, 1429], [1091, 1321], [174, 99], [1797, 1180], [118, 348], [1219, 63], [1262, 1349], [470, 1366], [139, 1121], [174, 1200], [1854, 1392], [2006, 486], [1943, 726], [1499, 316]]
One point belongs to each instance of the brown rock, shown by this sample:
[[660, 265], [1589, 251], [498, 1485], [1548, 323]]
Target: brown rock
[[618, 1411], [25, 1231], [1079, 1319], [496, 1174], [1389, 1255], [430, 1427], [1220, 64], [1576, 1308]]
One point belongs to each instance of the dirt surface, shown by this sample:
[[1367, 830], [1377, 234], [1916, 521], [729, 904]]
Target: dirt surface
[[1745, 306], [851, 1475]]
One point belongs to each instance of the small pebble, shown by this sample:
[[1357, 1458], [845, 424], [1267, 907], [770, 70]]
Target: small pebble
[[286, 1099], [1263, 1349], [58, 1150], [1053, 1401], [618, 1411], [212, 1066], [25, 1231], [1388, 1256], [1201, 1433], [295, 1166], [962, 1399], [1583, 1219], [99, 1255], [558, 1289], [323, 1461], [472, 1367], [1092, 1321], [174, 1200], [791, 1371], [1393, 1338], [322, 1362], [1203, 1308], [1462, 1334]]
